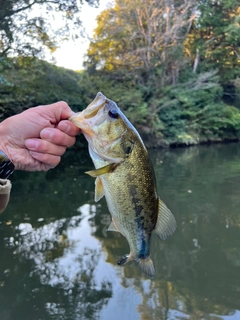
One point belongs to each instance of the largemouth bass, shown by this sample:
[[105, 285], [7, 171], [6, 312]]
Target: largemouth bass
[[125, 176]]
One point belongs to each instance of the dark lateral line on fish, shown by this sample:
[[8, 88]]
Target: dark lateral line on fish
[[145, 246], [138, 208]]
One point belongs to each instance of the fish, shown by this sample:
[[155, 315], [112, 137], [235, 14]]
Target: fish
[[125, 176]]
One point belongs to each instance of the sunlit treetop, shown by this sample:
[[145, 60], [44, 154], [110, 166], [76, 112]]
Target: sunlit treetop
[[137, 34]]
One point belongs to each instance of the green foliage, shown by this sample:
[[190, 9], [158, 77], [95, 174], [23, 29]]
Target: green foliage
[[216, 34], [198, 114], [190, 112], [28, 82]]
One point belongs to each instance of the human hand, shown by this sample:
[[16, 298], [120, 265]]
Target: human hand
[[35, 139]]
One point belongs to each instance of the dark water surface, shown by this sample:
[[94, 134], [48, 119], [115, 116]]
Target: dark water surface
[[58, 262]]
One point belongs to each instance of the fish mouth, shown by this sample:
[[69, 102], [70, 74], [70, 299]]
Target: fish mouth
[[81, 119], [94, 106]]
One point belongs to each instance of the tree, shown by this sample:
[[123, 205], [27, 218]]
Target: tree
[[216, 36], [143, 36], [144, 56], [29, 26]]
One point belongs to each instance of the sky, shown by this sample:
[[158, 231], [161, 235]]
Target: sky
[[70, 54]]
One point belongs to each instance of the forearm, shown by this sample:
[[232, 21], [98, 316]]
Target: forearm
[[12, 139]]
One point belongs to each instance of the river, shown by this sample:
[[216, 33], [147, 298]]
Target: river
[[58, 262]]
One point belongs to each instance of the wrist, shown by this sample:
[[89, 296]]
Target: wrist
[[6, 166], [3, 147], [3, 139], [6, 163]]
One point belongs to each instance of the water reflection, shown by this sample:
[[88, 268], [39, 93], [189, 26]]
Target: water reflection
[[58, 261]]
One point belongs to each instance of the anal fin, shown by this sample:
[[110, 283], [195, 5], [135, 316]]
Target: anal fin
[[166, 223]]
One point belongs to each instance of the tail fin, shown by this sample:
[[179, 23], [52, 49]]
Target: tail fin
[[146, 265]]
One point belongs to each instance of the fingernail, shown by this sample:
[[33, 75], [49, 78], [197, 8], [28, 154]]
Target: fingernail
[[31, 144]]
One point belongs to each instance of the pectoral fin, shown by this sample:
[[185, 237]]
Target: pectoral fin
[[166, 223], [99, 191], [106, 169]]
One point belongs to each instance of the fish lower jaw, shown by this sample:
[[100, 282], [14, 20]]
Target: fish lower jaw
[[81, 123]]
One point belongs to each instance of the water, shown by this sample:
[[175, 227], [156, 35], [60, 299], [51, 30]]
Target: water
[[58, 262]]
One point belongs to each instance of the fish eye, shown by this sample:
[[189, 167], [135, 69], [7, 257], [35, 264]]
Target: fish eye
[[113, 114]]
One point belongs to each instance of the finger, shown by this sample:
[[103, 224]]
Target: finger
[[64, 110], [45, 147], [68, 127], [49, 160], [58, 111], [57, 137]]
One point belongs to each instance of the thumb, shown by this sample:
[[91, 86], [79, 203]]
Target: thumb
[[58, 111]]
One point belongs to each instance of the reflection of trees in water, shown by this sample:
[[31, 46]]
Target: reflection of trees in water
[[193, 281], [163, 301], [64, 265]]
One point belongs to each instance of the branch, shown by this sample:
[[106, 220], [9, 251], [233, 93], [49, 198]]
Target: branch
[[196, 61], [167, 104], [30, 5]]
